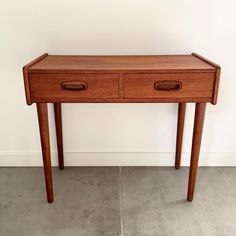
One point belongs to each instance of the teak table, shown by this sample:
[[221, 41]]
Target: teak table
[[121, 79]]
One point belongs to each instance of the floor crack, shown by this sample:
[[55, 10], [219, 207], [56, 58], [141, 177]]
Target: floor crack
[[121, 202]]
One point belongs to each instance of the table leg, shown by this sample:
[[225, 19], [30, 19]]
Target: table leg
[[196, 143], [45, 144], [180, 130], [58, 124]]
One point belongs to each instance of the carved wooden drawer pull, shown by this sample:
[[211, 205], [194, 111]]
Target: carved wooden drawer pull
[[74, 86], [168, 85]]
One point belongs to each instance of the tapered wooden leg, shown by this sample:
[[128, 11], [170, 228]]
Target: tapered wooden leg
[[180, 130], [58, 124], [196, 143], [45, 144]]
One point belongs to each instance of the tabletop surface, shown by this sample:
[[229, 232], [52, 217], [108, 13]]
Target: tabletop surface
[[57, 63]]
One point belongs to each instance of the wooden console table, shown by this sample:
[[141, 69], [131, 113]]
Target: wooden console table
[[121, 79]]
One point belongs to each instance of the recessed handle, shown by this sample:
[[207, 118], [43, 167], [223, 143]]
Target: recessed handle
[[167, 85], [74, 86]]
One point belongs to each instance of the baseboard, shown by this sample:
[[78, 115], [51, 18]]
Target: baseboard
[[117, 159]]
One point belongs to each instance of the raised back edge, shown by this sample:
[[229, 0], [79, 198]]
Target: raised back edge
[[217, 76], [26, 77]]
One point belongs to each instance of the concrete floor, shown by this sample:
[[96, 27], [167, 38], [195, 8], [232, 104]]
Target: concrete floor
[[130, 201]]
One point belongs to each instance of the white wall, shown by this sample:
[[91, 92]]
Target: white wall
[[113, 134]]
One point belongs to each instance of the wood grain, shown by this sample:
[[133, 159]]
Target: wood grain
[[217, 76], [196, 144], [26, 77], [194, 85], [122, 79], [58, 125], [45, 143], [162, 63], [216, 86], [180, 131], [48, 87]]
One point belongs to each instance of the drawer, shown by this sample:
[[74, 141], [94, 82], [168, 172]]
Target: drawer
[[73, 87], [186, 86]]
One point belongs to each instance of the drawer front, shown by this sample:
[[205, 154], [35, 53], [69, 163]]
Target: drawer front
[[73, 87], [169, 86]]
